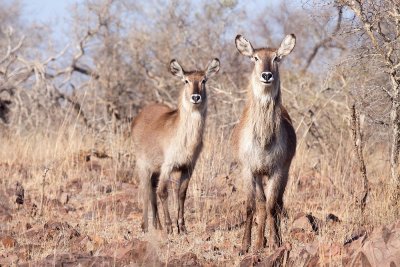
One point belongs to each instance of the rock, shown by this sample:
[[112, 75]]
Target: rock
[[249, 260], [328, 251], [315, 223], [10, 260], [8, 241], [136, 251], [188, 259], [332, 218], [306, 256], [307, 222], [301, 235], [356, 235], [279, 257], [381, 248], [54, 230], [73, 259], [98, 241]]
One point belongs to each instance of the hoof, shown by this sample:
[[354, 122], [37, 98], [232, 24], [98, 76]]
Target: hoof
[[182, 229], [258, 248], [243, 252], [169, 229], [157, 225], [273, 246], [145, 228]]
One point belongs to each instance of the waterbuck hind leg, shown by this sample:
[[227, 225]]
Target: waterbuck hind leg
[[182, 190], [162, 192], [153, 200], [145, 185]]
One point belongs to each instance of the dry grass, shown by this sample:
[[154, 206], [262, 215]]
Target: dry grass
[[64, 137], [104, 203]]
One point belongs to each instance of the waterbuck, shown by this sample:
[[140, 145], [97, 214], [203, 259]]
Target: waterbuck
[[169, 141], [264, 142]]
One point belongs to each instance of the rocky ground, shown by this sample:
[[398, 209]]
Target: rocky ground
[[91, 217]]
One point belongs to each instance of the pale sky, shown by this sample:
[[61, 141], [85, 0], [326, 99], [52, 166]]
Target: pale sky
[[56, 13], [49, 11]]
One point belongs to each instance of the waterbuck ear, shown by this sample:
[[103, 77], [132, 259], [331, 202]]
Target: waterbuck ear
[[176, 69], [212, 68], [245, 48], [287, 46]]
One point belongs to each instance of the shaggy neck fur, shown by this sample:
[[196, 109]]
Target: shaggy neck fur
[[191, 122], [265, 111]]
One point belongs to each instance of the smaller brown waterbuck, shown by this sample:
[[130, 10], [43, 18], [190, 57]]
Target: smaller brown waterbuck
[[264, 142], [168, 141]]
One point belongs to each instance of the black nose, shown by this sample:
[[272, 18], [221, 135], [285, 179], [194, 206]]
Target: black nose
[[196, 98], [266, 76]]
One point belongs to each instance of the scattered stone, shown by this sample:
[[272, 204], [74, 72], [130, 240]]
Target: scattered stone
[[8, 242], [249, 260], [381, 248], [355, 236], [315, 223], [188, 259], [10, 260], [301, 235], [136, 251], [307, 222], [73, 259], [98, 241], [54, 229], [332, 218]]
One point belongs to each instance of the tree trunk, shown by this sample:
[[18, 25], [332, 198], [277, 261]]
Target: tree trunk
[[395, 146], [358, 146]]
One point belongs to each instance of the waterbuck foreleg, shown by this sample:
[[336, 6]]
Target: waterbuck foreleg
[[250, 187], [182, 190], [162, 192], [261, 213], [275, 190]]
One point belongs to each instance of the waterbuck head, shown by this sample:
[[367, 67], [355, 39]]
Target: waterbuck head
[[265, 76], [194, 93]]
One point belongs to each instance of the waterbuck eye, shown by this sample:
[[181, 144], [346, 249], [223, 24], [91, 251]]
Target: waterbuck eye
[[277, 59], [186, 81], [256, 58]]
